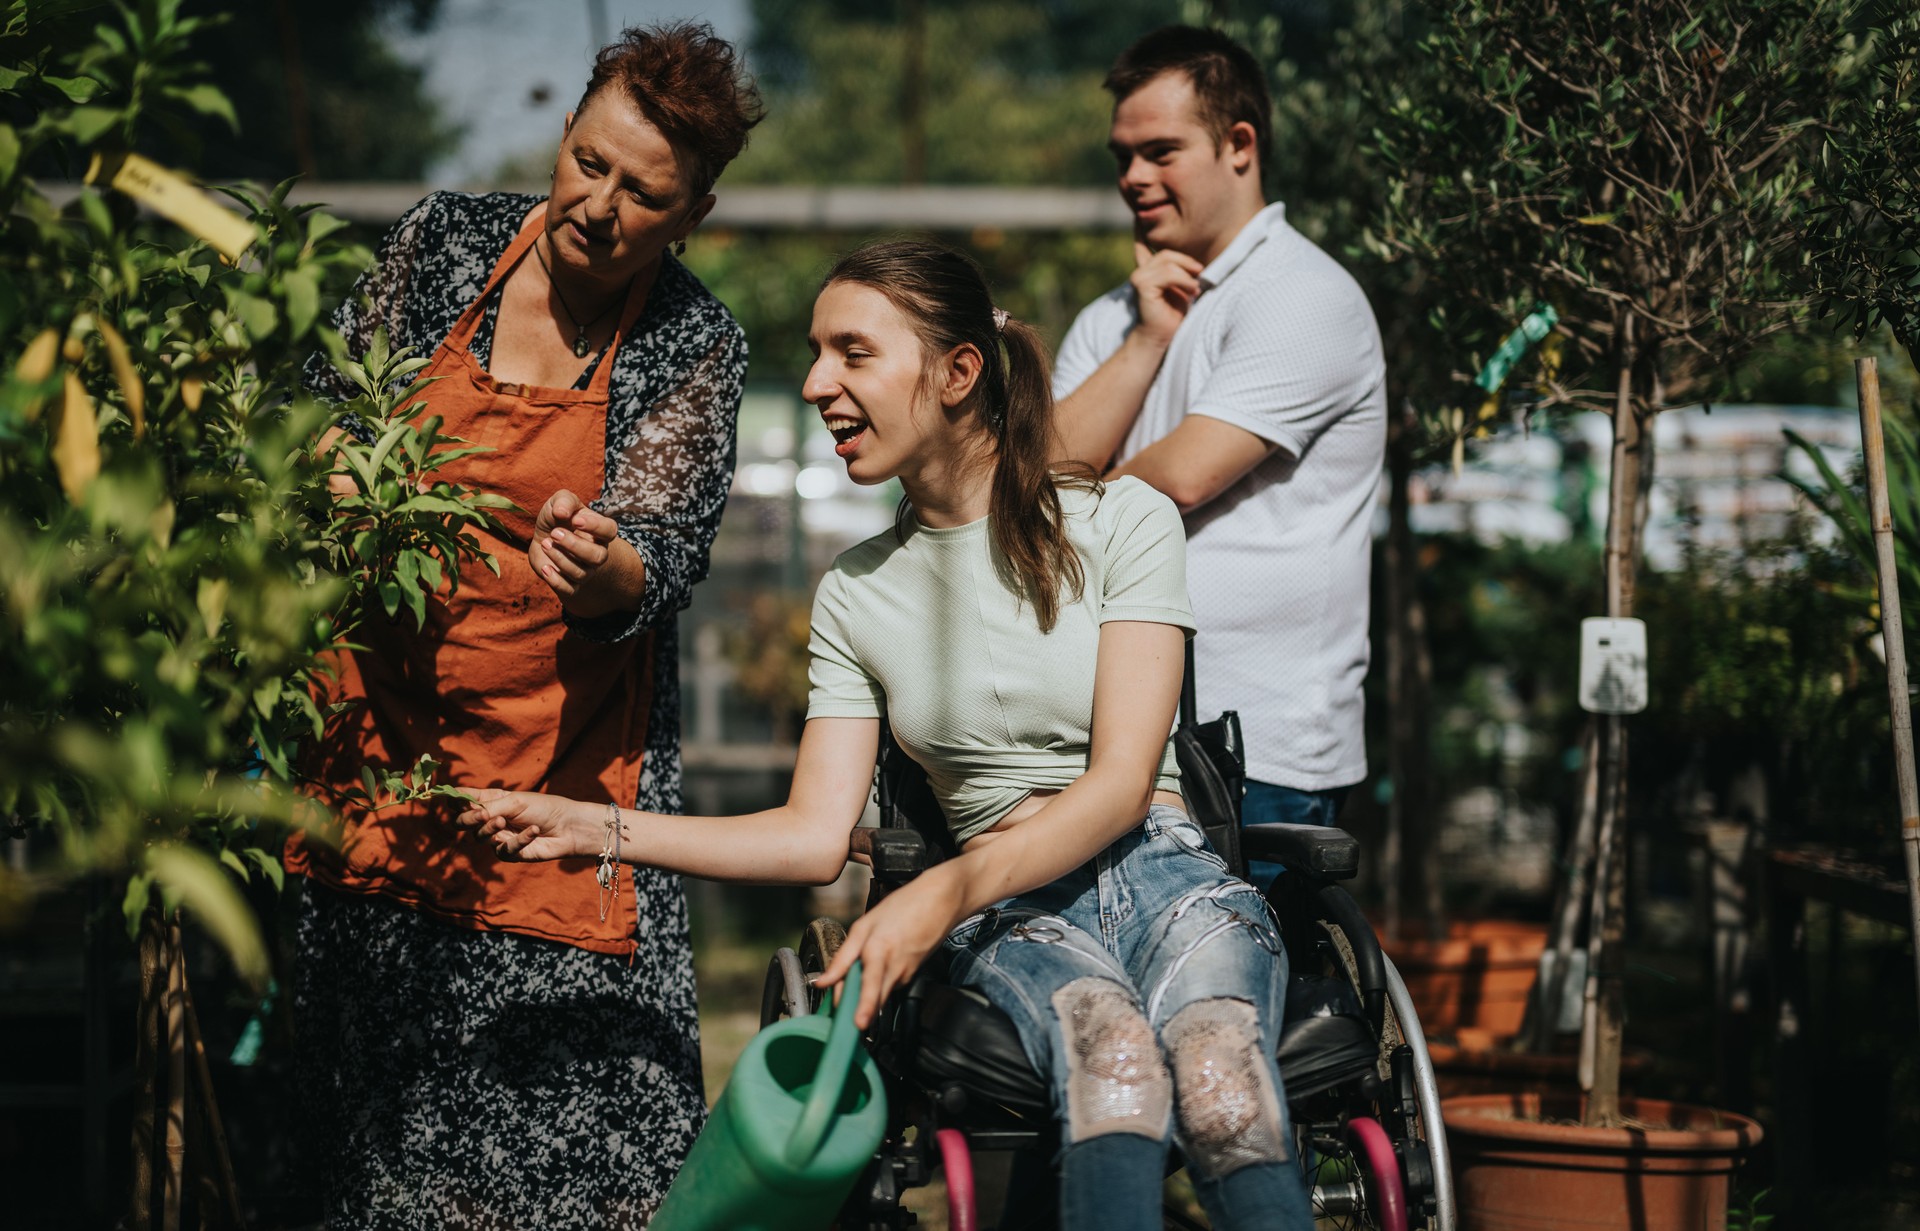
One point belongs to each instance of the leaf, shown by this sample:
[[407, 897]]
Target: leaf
[[258, 316], [269, 864], [191, 389], [267, 696], [207, 99], [76, 447], [319, 226], [77, 89], [88, 124], [303, 301], [206, 891], [124, 372], [9, 151], [211, 599], [134, 905]]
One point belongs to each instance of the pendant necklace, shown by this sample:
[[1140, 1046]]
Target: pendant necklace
[[580, 346]]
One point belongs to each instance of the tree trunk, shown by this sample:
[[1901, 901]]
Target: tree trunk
[[1601, 1038], [1407, 860], [176, 1069], [146, 1052]]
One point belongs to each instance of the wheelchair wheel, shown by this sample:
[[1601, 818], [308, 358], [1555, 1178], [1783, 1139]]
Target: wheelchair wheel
[[1403, 1137], [785, 993], [818, 944]]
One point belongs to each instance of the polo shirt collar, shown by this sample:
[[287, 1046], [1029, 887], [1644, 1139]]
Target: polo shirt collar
[[1261, 227]]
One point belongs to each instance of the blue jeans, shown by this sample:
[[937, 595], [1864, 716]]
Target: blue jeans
[[1268, 803], [1142, 983]]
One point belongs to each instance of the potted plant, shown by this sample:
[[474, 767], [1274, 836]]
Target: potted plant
[[1640, 169], [172, 566]]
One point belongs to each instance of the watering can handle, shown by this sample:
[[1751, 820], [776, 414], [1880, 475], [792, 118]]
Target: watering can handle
[[836, 1062]]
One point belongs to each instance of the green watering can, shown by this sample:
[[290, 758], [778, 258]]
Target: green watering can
[[799, 1120]]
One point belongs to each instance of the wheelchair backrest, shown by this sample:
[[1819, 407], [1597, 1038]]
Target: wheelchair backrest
[[906, 801]]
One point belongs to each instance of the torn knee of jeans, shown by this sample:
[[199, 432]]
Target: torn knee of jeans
[[1116, 1081], [1224, 1092]]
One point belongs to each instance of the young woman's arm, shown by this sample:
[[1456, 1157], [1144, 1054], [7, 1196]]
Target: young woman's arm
[[1136, 689], [802, 842]]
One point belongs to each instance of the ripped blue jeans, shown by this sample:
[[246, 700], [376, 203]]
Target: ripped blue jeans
[[1148, 987]]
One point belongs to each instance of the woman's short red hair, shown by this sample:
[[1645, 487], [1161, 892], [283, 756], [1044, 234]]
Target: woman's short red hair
[[690, 84]]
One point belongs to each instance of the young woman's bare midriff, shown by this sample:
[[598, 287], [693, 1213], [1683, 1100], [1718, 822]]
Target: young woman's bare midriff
[[1038, 800]]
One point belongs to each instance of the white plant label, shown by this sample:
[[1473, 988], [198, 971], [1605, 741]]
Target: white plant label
[[1613, 666]]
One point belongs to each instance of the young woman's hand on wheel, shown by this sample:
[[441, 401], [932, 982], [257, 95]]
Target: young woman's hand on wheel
[[526, 825], [895, 937]]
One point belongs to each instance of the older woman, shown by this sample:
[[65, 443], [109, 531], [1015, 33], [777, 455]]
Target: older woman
[[491, 1045]]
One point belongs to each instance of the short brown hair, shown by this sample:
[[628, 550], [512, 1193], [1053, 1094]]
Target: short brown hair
[[1228, 83], [690, 84]]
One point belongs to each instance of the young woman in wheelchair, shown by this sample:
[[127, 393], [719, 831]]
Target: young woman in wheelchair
[[1022, 633]]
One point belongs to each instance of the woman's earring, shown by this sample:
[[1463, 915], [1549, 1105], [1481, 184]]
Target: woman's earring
[[679, 247]]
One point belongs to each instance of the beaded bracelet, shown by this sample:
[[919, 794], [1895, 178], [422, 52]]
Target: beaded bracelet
[[608, 874]]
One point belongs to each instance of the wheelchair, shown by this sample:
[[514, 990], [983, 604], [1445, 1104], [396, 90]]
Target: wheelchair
[[1359, 1083]]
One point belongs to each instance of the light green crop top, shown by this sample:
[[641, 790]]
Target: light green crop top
[[929, 635]]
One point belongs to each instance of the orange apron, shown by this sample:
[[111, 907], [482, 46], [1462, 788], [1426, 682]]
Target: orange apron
[[494, 687]]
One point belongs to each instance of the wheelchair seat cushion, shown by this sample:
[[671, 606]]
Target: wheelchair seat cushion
[[960, 1038], [1318, 1053], [963, 1039]]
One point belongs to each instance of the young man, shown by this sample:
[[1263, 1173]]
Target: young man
[[1240, 372]]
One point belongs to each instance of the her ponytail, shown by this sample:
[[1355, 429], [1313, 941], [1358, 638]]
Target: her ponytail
[[1029, 526], [945, 295]]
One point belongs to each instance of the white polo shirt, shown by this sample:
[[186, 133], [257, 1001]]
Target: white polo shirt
[[1282, 343]]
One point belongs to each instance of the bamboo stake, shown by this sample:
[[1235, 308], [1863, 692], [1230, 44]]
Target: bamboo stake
[[1548, 993], [210, 1108], [172, 1187], [1867, 376]]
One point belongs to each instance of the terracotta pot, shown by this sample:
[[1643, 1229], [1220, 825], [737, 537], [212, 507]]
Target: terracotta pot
[[1477, 978], [1514, 1172]]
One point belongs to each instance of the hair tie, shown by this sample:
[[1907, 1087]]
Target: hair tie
[[999, 320]]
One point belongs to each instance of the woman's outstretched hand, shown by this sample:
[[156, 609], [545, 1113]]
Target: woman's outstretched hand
[[896, 936], [529, 826]]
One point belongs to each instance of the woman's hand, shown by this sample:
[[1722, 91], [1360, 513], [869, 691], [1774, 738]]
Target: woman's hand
[[579, 553], [528, 826], [896, 936]]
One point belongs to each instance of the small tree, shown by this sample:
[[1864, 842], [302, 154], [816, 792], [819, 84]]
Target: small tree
[[172, 566], [1640, 167]]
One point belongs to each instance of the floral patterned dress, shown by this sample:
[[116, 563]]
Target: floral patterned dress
[[462, 1078]]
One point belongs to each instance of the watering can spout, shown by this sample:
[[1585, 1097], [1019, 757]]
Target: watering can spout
[[802, 1115]]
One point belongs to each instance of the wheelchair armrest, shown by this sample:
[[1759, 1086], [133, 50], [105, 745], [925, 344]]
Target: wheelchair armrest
[[898, 855], [1317, 851]]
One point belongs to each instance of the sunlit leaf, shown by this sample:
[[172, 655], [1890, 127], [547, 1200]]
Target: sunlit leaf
[[211, 899], [76, 447]]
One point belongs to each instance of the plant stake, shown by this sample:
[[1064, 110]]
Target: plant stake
[[1872, 444]]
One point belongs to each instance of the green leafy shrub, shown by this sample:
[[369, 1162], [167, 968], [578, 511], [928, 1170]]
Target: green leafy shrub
[[172, 565]]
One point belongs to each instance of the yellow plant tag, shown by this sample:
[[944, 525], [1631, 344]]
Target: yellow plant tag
[[76, 447], [170, 195]]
